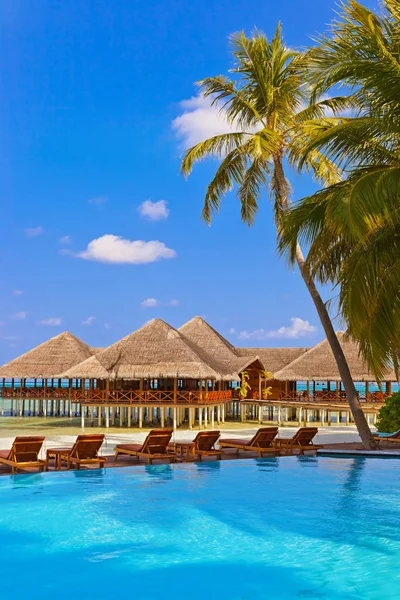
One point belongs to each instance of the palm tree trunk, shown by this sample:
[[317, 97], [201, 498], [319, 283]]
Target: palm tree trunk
[[343, 368]]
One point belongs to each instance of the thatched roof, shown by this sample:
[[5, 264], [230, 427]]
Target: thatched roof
[[48, 359], [200, 332], [156, 350], [273, 359], [203, 335], [318, 364]]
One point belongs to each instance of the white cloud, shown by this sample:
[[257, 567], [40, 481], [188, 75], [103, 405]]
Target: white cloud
[[65, 239], [107, 326], [149, 303], [299, 328], [89, 321], [34, 231], [20, 316], [115, 249], [53, 321], [154, 211], [152, 302], [199, 121], [98, 201], [17, 292], [231, 331]]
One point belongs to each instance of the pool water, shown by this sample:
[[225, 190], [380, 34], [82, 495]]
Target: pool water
[[291, 527]]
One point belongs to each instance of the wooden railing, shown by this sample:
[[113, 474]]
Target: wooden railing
[[320, 396], [98, 396]]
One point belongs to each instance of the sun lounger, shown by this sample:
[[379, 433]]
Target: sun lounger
[[393, 438], [301, 441], [24, 453], [205, 444], [154, 447], [262, 442], [85, 451]]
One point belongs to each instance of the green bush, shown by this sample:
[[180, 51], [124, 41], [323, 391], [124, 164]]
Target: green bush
[[389, 415]]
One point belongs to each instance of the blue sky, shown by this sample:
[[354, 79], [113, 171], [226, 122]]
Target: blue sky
[[97, 103]]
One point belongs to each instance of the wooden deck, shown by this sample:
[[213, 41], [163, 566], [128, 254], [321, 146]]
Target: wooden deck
[[128, 461]]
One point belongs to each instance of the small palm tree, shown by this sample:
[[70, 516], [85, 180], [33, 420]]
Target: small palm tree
[[354, 226], [265, 99]]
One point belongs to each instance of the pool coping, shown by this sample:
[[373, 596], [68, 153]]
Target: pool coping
[[370, 453]]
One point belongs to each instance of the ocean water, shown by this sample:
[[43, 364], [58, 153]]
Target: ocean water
[[273, 528]]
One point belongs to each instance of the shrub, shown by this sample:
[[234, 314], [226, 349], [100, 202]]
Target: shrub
[[389, 415]]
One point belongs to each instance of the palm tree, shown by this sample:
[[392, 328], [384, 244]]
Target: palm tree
[[265, 99], [353, 227]]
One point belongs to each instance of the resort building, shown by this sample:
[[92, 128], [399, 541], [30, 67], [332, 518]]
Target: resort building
[[159, 375]]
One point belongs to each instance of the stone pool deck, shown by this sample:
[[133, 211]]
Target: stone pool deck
[[338, 441]]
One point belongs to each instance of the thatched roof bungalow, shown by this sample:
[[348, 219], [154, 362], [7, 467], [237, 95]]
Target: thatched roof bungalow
[[49, 359]]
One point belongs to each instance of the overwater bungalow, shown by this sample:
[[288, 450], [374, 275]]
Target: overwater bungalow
[[35, 385], [160, 375], [157, 374]]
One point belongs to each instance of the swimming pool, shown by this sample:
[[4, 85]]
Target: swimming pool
[[292, 527]]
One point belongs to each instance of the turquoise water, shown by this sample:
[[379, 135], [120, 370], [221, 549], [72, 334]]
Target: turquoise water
[[279, 528]]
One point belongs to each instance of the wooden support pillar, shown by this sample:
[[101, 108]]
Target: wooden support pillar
[[212, 416], [191, 417], [308, 390], [200, 417], [99, 416], [82, 419], [366, 391], [388, 387], [107, 409], [162, 416], [260, 413]]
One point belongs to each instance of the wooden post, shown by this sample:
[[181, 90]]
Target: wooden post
[[308, 390], [260, 413], [107, 409], [388, 387], [212, 416], [366, 391], [140, 417], [259, 387], [162, 416], [200, 417]]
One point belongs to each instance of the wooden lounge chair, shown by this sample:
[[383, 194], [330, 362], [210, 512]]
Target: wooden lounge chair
[[155, 446], [393, 438], [262, 442], [205, 444], [24, 453], [301, 441], [85, 451]]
